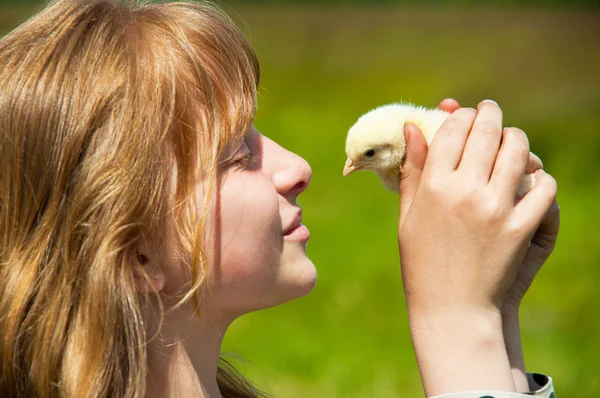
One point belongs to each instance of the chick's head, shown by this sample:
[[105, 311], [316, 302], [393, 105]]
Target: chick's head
[[375, 143]]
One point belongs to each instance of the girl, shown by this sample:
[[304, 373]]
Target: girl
[[141, 212]]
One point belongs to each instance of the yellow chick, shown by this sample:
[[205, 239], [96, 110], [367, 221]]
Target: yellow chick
[[376, 141]]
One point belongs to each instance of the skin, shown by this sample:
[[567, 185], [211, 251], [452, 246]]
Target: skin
[[542, 245], [257, 204], [458, 227], [253, 265]]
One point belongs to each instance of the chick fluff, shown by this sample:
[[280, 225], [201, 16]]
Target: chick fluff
[[376, 141]]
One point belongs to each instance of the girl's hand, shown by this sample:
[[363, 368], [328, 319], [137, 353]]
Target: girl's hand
[[462, 239], [542, 244]]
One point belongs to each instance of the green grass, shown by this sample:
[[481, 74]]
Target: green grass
[[324, 66]]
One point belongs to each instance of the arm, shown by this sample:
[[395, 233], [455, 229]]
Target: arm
[[460, 352], [542, 245], [462, 239], [514, 348]]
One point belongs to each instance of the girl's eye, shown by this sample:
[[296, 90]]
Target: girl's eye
[[245, 161]]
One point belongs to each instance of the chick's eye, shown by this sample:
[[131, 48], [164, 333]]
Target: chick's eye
[[370, 153]]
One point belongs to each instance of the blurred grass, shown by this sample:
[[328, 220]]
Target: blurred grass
[[324, 66]]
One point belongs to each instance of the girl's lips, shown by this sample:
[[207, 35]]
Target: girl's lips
[[299, 233]]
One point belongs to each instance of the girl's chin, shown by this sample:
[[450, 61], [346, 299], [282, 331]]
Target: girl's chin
[[303, 276]]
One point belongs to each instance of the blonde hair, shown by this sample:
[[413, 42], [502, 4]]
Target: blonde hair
[[99, 101]]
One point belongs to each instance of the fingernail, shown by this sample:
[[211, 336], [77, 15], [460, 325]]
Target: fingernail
[[489, 101]]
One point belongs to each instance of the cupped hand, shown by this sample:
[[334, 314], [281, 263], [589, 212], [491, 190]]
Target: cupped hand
[[542, 245], [462, 235], [544, 239]]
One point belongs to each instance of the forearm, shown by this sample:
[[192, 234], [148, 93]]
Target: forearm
[[460, 352], [514, 348]]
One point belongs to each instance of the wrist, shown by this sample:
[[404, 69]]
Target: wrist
[[480, 321], [457, 327], [514, 349], [460, 349]]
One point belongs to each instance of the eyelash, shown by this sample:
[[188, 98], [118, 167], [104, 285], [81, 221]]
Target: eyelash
[[246, 160]]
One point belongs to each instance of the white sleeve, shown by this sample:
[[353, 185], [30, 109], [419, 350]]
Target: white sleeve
[[539, 386]]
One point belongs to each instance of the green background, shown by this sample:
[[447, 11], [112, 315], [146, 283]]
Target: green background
[[323, 65]]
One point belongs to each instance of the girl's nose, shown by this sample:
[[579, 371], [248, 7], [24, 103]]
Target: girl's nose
[[293, 177]]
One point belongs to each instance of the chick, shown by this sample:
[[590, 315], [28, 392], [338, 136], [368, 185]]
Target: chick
[[376, 142]]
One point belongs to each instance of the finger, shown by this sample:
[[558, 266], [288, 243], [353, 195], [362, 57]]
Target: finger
[[416, 153], [536, 204], [547, 232], [528, 180], [483, 143], [534, 163], [544, 239], [449, 105], [511, 163], [447, 146]]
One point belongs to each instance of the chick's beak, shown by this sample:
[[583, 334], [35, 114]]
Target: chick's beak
[[350, 167]]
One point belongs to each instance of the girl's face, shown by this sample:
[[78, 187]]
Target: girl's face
[[258, 256]]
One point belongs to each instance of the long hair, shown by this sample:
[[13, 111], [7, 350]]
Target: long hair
[[99, 101]]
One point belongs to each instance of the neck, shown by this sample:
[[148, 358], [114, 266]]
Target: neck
[[184, 356]]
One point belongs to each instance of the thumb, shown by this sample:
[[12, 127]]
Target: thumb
[[416, 153]]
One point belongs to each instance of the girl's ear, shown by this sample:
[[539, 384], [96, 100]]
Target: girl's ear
[[149, 277]]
